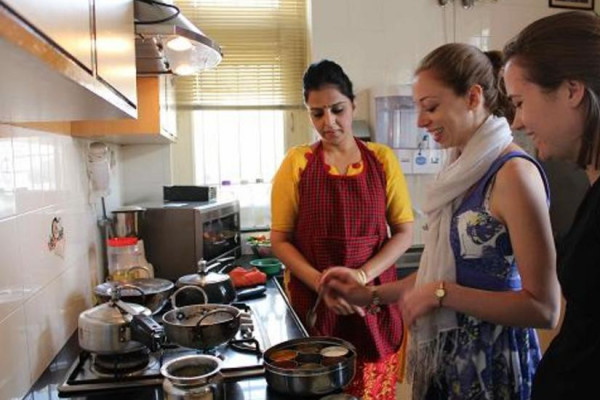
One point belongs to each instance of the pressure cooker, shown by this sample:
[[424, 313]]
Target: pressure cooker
[[118, 327]]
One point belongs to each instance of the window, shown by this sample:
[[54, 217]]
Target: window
[[238, 147], [238, 109], [242, 149]]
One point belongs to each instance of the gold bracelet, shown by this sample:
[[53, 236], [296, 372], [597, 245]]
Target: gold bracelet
[[362, 276]]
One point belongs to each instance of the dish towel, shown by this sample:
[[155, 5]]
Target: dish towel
[[462, 170]]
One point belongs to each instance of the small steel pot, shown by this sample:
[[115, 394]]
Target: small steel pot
[[201, 326], [192, 377], [290, 376], [218, 286], [152, 293]]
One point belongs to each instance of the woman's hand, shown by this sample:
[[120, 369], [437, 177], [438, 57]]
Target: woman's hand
[[418, 302], [344, 294]]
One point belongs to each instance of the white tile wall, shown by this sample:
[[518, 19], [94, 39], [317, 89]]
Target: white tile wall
[[42, 176]]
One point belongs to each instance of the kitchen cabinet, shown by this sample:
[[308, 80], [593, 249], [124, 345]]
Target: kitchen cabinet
[[75, 38], [115, 49], [65, 60], [156, 122]]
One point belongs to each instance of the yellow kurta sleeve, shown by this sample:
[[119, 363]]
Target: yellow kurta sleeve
[[284, 193], [399, 206]]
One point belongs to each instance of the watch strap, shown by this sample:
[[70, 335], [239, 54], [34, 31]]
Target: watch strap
[[375, 306]]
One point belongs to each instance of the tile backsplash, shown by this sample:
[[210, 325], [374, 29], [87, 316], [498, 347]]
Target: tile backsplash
[[42, 288]]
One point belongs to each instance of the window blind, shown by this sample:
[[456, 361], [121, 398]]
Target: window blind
[[264, 45]]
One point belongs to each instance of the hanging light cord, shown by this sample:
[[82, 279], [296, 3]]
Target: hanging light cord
[[159, 21]]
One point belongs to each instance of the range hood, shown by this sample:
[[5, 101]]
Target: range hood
[[174, 46]]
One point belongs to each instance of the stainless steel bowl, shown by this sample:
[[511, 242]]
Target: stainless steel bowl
[[316, 381]]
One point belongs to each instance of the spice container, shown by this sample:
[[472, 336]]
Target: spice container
[[297, 367]]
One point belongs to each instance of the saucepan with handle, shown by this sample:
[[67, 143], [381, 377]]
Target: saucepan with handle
[[201, 326], [152, 293]]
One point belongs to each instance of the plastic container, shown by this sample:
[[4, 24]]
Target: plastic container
[[270, 266], [123, 256]]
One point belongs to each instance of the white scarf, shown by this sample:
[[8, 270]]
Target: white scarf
[[461, 172]]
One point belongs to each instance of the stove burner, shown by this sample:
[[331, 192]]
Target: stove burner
[[120, 364], [242, 357], [249, 345]]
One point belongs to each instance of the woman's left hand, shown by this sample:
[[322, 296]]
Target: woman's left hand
[[343, 291], [418, 302]]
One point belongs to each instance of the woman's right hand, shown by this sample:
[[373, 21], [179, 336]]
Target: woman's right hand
[[341, 282]]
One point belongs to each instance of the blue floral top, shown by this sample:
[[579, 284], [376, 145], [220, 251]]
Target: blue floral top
[[485, 360]]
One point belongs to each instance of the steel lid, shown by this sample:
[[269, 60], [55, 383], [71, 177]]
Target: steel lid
[[146, 285], [203, 280], [110, 314]]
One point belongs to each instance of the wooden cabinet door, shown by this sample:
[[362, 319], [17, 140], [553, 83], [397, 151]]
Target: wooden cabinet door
[[50, 18], [168, 115], [115, 46]]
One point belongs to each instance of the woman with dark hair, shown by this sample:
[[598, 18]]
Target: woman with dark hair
[[485, 278], [552, 75], [332, 204]]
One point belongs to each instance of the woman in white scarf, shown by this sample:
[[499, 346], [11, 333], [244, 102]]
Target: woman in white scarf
[[487, 275]]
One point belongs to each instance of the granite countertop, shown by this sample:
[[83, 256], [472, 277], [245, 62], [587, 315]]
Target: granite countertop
[[272, 309]]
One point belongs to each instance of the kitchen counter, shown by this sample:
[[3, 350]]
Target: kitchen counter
[[273, 310]]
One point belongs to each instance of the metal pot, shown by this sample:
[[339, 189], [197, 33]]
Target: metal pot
[[201, 326], [152, 293], [118, 327], [127, 221], [218, 286], [191, 377], [323, 375]]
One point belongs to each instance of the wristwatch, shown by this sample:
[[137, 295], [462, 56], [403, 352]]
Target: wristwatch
[[375, 306], [440, 293]]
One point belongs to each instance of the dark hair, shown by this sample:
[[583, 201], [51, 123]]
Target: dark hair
[[565, 46], [460, 66], [327, 73]]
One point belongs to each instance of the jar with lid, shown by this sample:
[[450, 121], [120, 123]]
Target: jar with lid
[[125, 260]]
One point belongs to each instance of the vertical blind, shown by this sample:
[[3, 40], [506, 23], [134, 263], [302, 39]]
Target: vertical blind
[[264, 45]]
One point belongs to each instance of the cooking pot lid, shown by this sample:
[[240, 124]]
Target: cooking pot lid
[[147, 285], [109, 313], [203, 280]]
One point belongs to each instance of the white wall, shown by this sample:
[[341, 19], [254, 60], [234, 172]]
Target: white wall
[[148, 169], [380, 43], [43, 176]]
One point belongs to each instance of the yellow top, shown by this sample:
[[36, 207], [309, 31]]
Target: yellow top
[[284, 195]]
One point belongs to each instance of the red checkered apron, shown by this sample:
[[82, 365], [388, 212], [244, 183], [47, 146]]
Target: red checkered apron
[[342, 221]]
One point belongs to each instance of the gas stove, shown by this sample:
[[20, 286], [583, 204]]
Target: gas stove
[[241, 356]]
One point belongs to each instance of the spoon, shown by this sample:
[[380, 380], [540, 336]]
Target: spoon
[[311, 316]]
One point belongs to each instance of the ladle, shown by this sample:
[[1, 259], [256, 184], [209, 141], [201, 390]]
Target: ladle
[[311, 316]]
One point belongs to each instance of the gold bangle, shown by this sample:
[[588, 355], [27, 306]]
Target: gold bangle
[[362, 276]]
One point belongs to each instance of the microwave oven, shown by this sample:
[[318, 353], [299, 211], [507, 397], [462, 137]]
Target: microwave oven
[[179, 234]]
